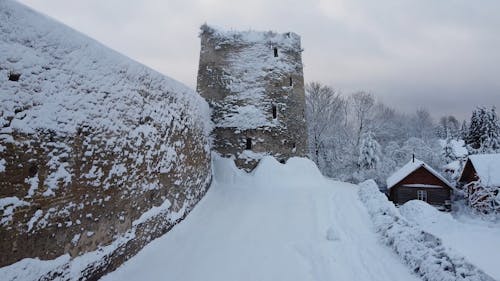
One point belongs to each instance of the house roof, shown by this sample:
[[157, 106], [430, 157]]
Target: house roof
[[487, 168], [409, 168]]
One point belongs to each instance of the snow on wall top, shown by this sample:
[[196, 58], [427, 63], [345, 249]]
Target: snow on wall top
[[409, 168], [284, 40], [67, 79], [487, 167], [249, 69]]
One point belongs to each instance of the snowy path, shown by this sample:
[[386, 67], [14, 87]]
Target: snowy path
[[273, 225]]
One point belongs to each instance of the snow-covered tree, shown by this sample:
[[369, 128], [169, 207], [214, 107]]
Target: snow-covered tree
[[464, 130], [325, 112], [473, 138], [361, 104], [422, 125], [369, 152], [490, 138], [484, 131], [448, 126], [429, 152], [448, 153]]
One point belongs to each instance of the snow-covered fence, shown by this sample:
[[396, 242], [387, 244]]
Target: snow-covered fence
[[420, 250]]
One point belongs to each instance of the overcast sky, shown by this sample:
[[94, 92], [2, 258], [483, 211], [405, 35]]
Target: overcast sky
[[443, 55]]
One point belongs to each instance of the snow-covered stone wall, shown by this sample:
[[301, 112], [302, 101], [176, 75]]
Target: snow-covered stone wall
[[254, 83], [95, 149]]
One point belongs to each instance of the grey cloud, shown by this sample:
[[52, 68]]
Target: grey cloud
[[442, 55]]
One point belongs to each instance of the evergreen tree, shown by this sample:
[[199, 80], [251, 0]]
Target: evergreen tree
[[473, 138], [484, 131], [369, 152], [464, 130], [490, 138]]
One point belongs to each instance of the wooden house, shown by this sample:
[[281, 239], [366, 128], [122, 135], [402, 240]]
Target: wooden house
[[417, 180], [481, 167], [480, 181]]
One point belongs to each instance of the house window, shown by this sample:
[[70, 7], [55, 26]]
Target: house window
[[422, 195], [291, 82], [275, 52], [275, 113], [249, 143]]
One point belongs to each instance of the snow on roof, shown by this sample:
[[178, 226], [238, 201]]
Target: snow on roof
[[409, 168], [487, 168]]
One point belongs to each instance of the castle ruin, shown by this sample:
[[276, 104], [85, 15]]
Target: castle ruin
[[254, 84]]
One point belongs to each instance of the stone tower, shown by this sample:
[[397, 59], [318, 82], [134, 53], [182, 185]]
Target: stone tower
[[254, 84]]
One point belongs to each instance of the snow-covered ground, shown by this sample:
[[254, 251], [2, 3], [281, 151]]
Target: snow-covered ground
[[478, 240], [282, 222]]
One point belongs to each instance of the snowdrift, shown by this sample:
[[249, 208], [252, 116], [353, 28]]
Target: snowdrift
[[420, 250], [418, 210], [98, 153], [297, 172]]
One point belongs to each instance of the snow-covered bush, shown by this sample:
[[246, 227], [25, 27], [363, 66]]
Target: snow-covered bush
[[420, 250]]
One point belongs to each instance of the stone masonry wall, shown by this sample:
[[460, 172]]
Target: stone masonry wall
[[98, 154], [245, 76]]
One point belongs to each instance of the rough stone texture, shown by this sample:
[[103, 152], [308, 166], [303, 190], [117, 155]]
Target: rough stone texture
[[242, 80], [98, 154]]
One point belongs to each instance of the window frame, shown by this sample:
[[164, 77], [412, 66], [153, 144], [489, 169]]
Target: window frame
[[422, 195]]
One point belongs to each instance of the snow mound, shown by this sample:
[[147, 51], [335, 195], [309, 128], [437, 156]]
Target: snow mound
[[296, 172], [418, 210], [420, 250], [225, 170]]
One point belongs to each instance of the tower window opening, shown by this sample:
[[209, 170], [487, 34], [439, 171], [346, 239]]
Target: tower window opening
[[275, 52], [291, 82], [249, 143], [14, 76], [275, 112]]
